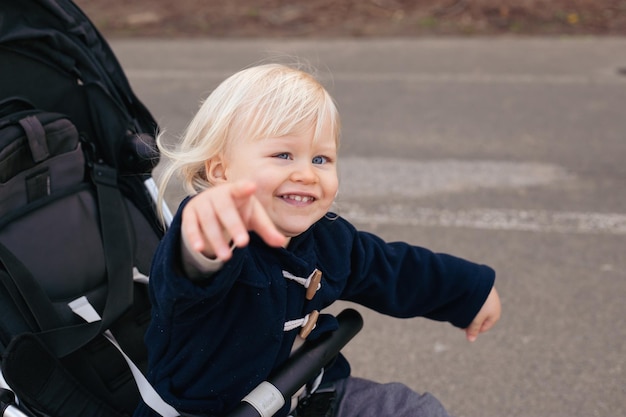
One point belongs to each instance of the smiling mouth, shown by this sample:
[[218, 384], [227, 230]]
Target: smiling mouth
[[298, 198]]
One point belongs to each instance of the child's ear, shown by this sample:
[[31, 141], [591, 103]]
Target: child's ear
[[215, 170]]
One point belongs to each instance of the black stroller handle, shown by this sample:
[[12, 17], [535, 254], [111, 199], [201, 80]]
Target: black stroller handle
[[301, 367]]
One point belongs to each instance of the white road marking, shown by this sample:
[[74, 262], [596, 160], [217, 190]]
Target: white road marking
[[492, 219], [367, 178]]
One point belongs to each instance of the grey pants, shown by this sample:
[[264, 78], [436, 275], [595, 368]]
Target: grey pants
[[362, 398]]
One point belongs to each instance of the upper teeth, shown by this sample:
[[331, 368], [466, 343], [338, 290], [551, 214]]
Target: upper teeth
[[299, 198]]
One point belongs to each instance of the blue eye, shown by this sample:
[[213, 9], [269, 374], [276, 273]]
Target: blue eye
[[283, 155], [319, 160]]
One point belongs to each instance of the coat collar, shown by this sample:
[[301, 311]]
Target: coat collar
[[299, 258]]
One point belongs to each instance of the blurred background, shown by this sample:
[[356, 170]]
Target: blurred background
[[356, 18]]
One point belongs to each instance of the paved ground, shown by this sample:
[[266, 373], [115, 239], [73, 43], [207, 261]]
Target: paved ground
[[508, 152]]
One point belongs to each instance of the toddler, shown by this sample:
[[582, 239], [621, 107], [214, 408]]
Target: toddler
[[254, 254]]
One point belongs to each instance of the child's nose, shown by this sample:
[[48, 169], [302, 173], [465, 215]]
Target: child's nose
[[304, 172]]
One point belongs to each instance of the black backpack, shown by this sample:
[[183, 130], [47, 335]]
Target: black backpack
[[76, 219]]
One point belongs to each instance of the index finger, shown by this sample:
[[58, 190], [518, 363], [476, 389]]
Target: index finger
[[261, 223]]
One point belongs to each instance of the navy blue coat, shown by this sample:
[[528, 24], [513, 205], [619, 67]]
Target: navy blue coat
[[212, 342]]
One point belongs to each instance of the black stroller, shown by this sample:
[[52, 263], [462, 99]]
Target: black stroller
[[78, 226]]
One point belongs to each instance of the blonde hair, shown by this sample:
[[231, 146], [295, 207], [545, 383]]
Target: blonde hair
[[270, 100]]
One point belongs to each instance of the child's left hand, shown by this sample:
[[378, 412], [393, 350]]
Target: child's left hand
[[488, 315]]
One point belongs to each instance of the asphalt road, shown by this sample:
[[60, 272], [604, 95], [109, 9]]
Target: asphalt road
[[507, 152]]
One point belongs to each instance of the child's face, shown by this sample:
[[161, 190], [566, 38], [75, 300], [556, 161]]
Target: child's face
[[296, 177]]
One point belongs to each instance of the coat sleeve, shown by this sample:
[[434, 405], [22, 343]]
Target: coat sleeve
[[172, 291], [402, 280]]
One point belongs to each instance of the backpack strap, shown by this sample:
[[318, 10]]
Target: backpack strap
[[117, 239]]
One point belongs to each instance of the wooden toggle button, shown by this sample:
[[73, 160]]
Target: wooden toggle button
[[314, 284], [310, 324]]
